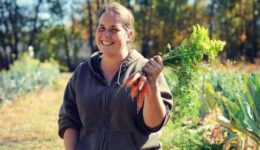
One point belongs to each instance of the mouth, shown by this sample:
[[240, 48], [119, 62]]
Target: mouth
[[106, 43]]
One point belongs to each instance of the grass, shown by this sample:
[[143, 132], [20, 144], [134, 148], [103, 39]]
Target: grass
[[30, 122]]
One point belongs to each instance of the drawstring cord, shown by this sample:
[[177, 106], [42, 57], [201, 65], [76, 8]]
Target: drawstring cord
[[119, 74]]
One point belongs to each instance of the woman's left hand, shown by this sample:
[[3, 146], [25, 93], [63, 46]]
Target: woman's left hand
[[153, 68], [141, 83]]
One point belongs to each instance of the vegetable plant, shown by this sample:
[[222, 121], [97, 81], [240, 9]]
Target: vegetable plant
[[183, 64], [238, 97]]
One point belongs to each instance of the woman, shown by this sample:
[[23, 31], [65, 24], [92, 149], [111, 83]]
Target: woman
[[98, 111]]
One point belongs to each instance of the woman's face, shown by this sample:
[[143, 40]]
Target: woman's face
[[111, 37]]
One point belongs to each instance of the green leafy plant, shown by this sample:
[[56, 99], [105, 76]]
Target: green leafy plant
[[238, 97], [26, 74], [182, 137], [183, 63]]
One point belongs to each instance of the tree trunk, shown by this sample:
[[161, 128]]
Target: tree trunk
[[3, 64], [195, 10], [34, 30], [73, 39], [255, 36], [211, 18], [65, 40], [98, 4], [69, 64], [145, 48], [13, 13], [6, 37], [90, 27], [146, 52]]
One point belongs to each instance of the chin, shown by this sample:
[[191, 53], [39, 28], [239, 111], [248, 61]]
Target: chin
[[107, 51]]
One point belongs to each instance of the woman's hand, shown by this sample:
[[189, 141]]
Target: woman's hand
[[70, 138], [142, 82], [153, 68], [144, 85]]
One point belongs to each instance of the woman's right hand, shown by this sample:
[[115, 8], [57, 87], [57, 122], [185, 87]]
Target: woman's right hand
[[70, 138]]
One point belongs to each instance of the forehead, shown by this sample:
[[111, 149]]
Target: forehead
[[110, 18]]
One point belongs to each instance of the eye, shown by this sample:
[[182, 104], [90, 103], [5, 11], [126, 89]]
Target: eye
[[101, 29], [114, 30]]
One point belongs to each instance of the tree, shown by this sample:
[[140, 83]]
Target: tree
[[9, 28], [90, 27], [57, 10], [34, 22], [255, 32], [211, 12]]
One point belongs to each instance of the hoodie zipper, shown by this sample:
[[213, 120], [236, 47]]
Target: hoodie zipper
[[117, 83], [106, 116]]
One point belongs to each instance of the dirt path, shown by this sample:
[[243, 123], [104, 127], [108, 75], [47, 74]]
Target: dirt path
[[31, 121]]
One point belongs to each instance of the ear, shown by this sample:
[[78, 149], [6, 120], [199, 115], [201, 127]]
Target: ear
[[129, 36]]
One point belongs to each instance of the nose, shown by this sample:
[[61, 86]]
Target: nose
[[107, 33]]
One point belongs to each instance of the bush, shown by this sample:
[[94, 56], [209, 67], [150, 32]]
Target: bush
[[237, 95], [26, 74]]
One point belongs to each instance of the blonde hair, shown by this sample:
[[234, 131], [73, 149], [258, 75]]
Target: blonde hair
[[125, 15]]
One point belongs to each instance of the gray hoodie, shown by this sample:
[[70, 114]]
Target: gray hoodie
[[104, 114]]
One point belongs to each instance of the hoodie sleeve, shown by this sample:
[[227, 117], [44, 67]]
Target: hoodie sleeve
[[68, 114], [167, 99]]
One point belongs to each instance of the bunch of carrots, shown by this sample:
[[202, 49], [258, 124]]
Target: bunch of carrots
[[184, 60]]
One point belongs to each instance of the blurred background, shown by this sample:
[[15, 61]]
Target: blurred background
[[217, 106], [63, 30]]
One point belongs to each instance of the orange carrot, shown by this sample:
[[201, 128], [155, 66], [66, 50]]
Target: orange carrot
[[140, 100], [134, 91]]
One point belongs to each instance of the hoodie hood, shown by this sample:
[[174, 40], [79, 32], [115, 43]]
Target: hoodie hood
[[95, 59]]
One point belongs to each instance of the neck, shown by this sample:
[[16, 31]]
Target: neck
[[110, 65], [113, 62]]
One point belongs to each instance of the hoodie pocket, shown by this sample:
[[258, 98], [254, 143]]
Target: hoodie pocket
[[120, 141], [90, 141]]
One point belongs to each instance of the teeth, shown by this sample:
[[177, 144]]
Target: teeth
[[106, 43]]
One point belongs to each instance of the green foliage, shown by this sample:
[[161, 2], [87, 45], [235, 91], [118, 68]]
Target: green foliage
[[26, 74], [181, 137], [237, 95], [184, 62], [60, 44]]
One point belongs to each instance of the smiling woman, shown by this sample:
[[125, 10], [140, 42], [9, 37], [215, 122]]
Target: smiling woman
[[97, 113], [115, 30]]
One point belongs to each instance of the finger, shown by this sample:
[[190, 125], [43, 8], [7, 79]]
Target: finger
[[158, 59], [154, 65], [134, 92], [132, 79], [155, 62], [142, 80], [152, 61], [140, 100], [147, 70], [148, 66]]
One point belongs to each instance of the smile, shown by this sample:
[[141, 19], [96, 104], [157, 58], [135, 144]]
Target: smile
[[105, 43]]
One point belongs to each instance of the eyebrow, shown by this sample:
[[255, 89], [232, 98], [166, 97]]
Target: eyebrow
[[113, 26]]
